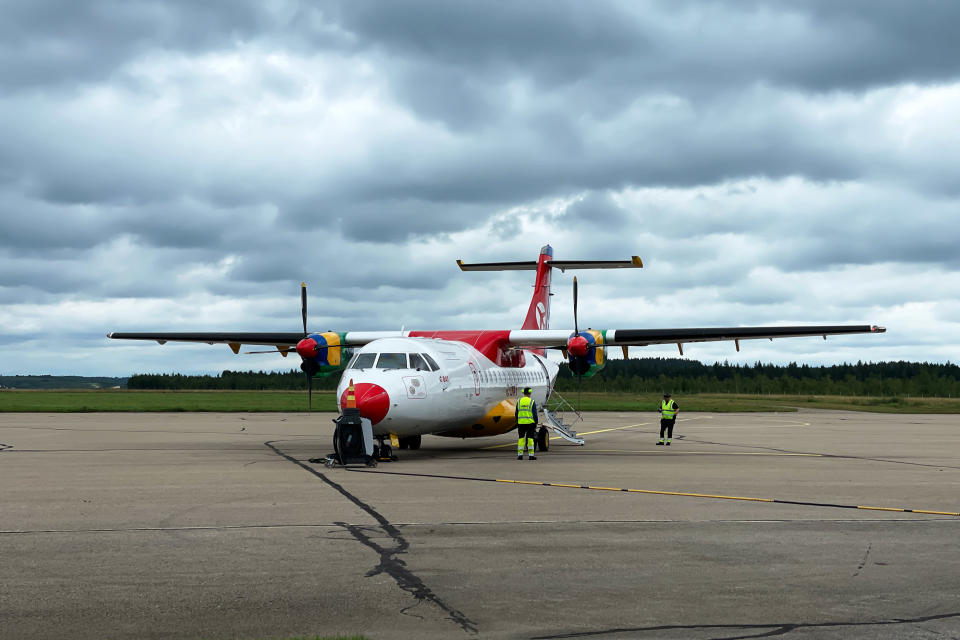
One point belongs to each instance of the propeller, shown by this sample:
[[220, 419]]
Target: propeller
[[307, 348], [577, 346]]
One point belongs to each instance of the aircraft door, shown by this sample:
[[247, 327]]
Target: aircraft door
[[476, 378]]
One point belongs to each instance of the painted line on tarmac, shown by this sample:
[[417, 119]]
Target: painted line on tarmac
[[590, 433], [696, 453], [712, 496]]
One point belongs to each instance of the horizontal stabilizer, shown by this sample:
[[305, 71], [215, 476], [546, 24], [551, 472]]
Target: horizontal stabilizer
[[634, 263], [498, 266]]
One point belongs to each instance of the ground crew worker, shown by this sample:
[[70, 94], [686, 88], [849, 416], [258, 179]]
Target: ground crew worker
[[668, 416], [526, 415]]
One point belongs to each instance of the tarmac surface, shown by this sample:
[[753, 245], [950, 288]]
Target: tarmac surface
[[215, 526]]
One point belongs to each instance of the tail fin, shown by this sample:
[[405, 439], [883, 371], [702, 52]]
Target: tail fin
[[538, 313]]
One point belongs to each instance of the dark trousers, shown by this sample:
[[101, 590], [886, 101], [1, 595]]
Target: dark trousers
[[667, 425], [527, 430]]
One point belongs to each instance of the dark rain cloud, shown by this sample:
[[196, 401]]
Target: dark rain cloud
[[161, 149]]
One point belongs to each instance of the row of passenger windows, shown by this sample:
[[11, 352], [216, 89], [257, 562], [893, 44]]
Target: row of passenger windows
[[512, 377], [418, 361]]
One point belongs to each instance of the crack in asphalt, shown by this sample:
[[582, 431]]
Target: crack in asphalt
[[774, 628], [863, 562], [389, 563]]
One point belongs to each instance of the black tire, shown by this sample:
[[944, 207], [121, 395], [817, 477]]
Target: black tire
[[404, 443], [543, 439], [413, 442]]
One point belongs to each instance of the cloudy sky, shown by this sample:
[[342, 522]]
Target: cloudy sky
[[178, 165]]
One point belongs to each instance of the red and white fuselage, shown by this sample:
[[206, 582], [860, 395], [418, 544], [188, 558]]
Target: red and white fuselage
[[416, 385]]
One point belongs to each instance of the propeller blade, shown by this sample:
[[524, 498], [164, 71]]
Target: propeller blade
[[576, 329], [303, 305]]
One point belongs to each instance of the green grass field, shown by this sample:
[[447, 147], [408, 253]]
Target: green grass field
[[295, 401]]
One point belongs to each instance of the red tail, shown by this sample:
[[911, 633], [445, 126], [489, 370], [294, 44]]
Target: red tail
[[538, 314]]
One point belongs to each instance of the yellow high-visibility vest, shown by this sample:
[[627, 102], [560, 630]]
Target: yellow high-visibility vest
[[525, 410], [668, 409]]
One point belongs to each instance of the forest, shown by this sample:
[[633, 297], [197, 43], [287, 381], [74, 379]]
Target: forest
[[656, 375]]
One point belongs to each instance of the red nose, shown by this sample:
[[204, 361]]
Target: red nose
[[308, 348], [372, 401], [576, 346]]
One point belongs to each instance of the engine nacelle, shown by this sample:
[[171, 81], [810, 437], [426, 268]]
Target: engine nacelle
[[322, 354], [583, 356]]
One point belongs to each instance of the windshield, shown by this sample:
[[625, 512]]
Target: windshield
[[392, 361], [362, 361], [418, 363]]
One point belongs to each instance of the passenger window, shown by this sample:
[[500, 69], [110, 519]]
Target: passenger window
[[418, 363], [363, 361], [433, 363], [392, 361]]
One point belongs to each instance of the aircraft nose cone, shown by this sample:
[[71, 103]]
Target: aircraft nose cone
[[372, 401]]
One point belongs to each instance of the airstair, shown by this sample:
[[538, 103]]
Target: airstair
[[555, 414]]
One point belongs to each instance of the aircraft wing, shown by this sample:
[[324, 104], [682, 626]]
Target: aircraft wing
[[282, 341], [557, 338], [215, 337]]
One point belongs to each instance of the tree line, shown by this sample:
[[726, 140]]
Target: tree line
[[657, 375]]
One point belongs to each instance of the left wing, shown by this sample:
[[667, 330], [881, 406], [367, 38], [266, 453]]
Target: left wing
[[284, 342]]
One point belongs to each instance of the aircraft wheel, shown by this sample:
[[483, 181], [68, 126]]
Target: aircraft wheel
[[413, 442], [404, 443], [543, 439], [386, 453]]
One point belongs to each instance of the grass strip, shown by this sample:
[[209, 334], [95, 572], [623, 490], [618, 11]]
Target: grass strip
[[296, 401]]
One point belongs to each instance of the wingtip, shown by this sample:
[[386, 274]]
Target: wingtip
[[637, 262], [878, 329], [460, 264]]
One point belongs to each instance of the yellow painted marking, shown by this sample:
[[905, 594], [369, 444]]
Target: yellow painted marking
[[938, 513], [605, 488], [572, 486], [706, 453], [878, 508], [700, 495], [629, 426]]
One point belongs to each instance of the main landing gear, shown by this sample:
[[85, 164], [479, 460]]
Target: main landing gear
[[543, 439], [410, 442]]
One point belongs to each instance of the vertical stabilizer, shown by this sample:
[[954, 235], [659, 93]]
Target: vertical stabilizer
[[538, 314]]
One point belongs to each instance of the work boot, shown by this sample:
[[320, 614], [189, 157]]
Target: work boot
[[520, 457], [668, 443], [531, 457], [660, 443]]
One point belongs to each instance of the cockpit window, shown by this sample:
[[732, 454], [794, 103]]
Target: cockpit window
[[433, 363], [417, 362], [362, 361], [392, 361]]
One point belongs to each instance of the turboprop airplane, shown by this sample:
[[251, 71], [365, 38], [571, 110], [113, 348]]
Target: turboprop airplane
[[464, 383]]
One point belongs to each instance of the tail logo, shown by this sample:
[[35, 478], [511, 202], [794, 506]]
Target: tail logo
[[542, 318]]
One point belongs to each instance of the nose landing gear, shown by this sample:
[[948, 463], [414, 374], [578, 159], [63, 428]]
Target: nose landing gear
[[383, 451]]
